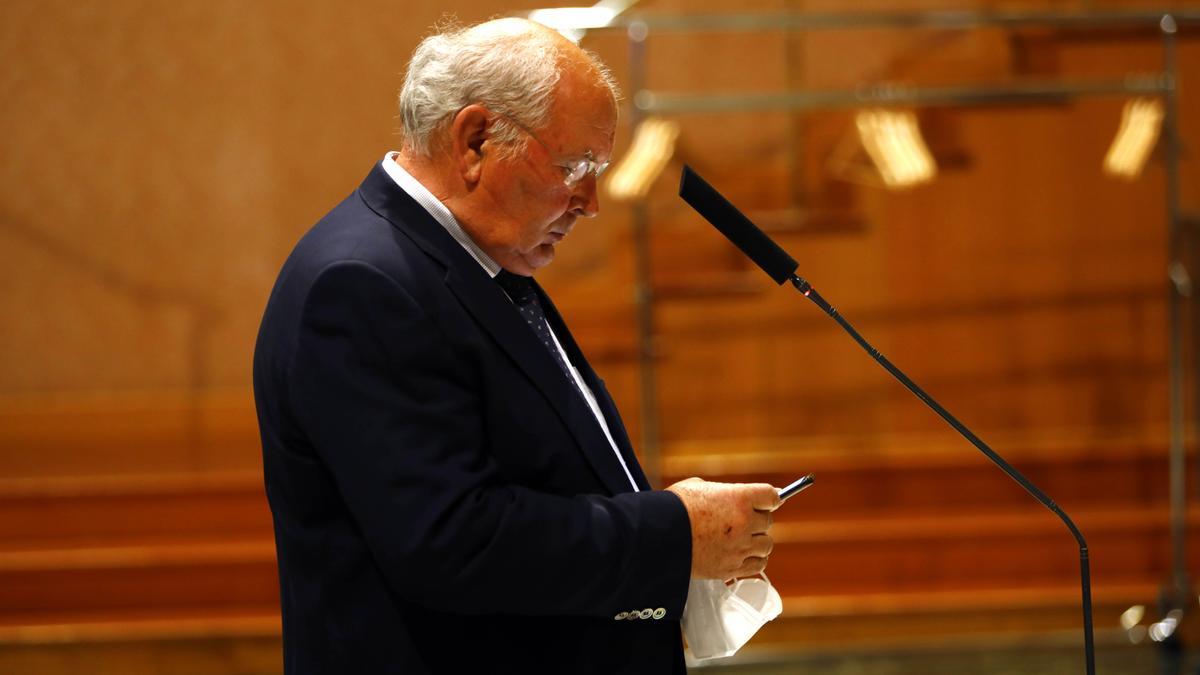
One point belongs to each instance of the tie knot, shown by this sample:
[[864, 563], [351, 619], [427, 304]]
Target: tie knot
[[519, 288]]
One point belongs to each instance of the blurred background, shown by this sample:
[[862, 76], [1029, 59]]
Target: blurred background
[[1002, 196]]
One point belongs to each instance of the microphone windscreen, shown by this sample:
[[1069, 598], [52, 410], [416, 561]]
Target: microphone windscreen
[[736, 227]]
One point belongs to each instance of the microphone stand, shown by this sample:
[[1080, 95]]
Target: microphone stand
[[781, 267], [1085, 573]]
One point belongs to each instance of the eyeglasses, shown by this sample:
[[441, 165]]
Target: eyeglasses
[[573, 170]]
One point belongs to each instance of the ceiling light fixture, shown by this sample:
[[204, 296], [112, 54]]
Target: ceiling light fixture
[[1141, 122]]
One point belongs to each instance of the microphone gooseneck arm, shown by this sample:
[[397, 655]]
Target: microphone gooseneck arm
[[781, 267], [1084, 569]]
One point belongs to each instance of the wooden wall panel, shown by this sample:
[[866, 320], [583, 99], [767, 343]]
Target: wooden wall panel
[[161, 160]]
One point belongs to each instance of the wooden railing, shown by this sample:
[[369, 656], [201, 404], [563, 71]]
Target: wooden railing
[[900, 533]]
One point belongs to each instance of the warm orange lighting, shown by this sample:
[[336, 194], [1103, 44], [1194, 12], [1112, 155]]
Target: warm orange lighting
[[1161, 630], [1141, 121], [893, 141], [574, 22], [1133, 616], [652, 147]]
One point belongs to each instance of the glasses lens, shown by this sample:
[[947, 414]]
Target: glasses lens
[[577, 171]]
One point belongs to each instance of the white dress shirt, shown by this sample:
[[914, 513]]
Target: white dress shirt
[[446, 219]]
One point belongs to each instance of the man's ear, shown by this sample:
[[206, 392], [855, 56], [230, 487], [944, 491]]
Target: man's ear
[[468, 131]]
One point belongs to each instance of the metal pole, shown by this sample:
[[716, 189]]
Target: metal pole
[[1085, 575], [783, 21], [1178, 286], [892, 95], [643, 289]]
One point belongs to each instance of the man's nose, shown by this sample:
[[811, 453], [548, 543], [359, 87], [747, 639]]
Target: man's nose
[[585, 200]]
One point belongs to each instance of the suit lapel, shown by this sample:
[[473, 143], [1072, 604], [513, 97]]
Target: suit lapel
[[607, 407], [490, 306]]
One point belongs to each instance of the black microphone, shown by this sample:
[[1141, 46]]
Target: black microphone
[[736, 227], [781, 267]]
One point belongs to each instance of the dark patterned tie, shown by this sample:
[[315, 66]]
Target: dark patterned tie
[[524, 296]]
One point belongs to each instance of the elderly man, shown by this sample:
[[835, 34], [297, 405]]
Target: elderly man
[[452, 488]]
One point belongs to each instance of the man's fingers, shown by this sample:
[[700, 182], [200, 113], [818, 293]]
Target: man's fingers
[[751, 567], [753, 559], [730, 522], [761, 545], [760, 522], [763, 497]]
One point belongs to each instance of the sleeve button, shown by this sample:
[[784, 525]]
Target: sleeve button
[[659, 613]]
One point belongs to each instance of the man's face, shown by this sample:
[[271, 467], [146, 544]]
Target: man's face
[[532, 209]]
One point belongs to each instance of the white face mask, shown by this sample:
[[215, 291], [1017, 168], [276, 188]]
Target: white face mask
[[718, 618]]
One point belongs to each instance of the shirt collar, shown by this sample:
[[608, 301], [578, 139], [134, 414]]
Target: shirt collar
[[438, 210]]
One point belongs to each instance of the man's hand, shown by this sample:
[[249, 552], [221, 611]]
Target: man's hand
[[729, 526]]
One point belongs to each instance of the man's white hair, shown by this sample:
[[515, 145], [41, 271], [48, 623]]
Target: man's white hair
[[505, 67]]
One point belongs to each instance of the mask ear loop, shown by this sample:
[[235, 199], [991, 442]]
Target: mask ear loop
[[759, 604], [734, 581]]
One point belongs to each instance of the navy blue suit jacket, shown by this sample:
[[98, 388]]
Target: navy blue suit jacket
[[443, 498]]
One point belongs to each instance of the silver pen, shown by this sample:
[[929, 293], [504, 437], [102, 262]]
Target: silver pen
[[795, 488]]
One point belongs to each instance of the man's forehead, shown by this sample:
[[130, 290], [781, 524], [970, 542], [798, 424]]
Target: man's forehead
[[580, 85], [589, 126]]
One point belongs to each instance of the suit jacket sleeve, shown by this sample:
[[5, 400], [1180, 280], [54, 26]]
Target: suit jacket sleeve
[[394, 414]]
